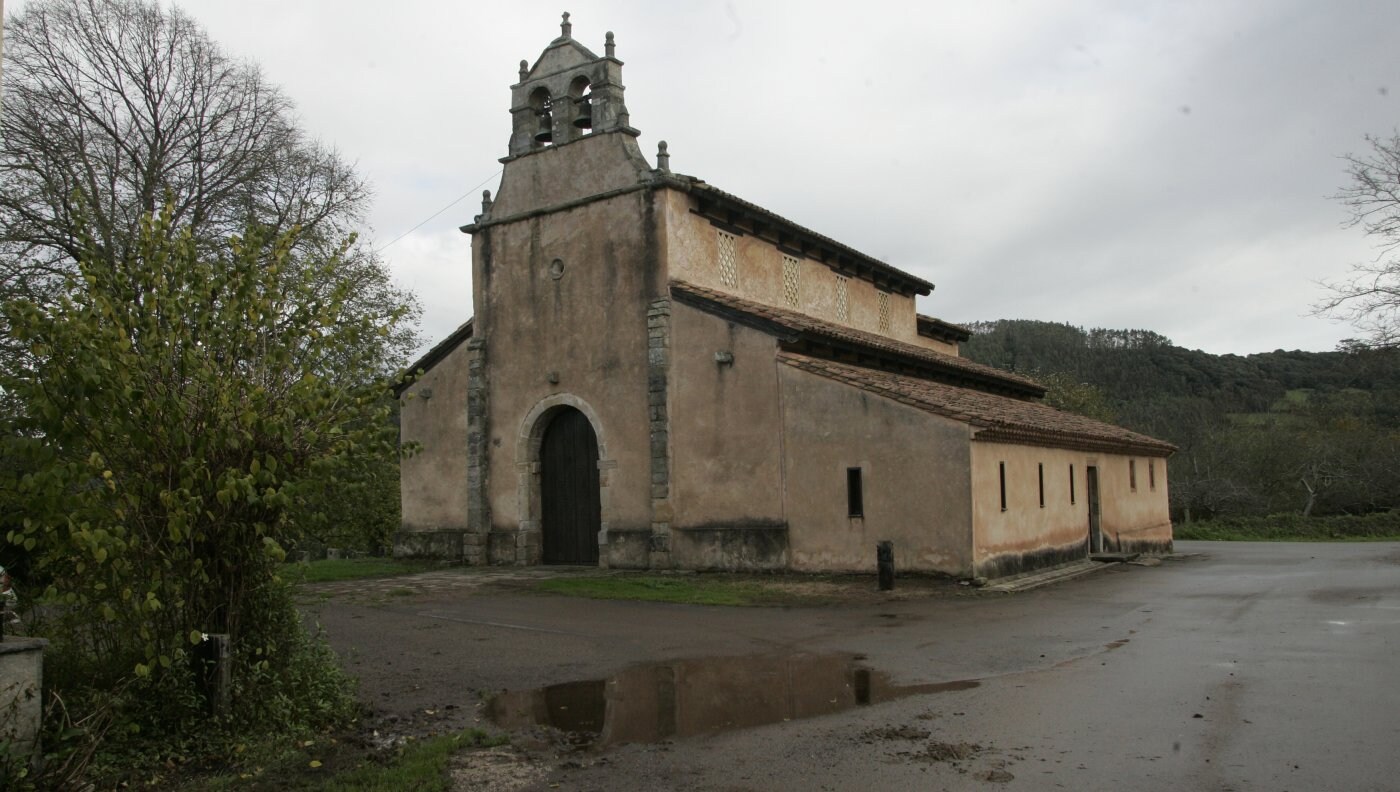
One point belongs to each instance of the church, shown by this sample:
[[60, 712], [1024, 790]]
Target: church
[[658, 374]]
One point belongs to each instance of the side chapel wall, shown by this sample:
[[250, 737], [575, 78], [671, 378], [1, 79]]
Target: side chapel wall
[[914, 475], [1027, 535], [432, 481]]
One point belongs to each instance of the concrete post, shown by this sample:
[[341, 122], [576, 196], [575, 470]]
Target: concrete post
[[21, 703]]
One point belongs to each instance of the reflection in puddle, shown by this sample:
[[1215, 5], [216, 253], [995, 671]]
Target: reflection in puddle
[[682, 698]]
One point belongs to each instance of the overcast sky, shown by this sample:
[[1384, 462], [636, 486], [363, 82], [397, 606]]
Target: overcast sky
[[1157, 165]]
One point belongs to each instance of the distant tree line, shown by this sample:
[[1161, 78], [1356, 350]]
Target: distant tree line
[[1311, 433]]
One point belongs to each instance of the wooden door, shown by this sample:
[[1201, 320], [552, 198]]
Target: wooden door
[[1095, 529], [571, 513]]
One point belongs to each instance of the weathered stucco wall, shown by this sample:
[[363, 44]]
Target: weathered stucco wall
[[1027, 535], [433, 481], [573, 330], [726, 461], [914, 471], [934, 344], [695, 259], [1135, 520]]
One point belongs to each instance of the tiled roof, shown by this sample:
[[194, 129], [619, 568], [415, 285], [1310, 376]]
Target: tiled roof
[[952, 366], [937, 328], [998, 418]]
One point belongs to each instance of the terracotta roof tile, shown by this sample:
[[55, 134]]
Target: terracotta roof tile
[[997, 418], [799, 323]]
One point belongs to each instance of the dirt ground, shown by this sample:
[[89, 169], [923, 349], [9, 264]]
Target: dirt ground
[[1251, 666]]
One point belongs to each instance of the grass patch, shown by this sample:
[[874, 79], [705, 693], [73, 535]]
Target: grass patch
[[422, 765], [689, 590], [1379, 527], [328, 766], [334, 569]]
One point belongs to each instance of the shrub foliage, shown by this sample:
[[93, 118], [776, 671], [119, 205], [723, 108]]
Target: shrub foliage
[[171, 408]]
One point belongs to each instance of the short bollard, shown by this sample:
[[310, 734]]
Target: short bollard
[[884, 559]]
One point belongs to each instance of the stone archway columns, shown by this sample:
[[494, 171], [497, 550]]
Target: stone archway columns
[[528, 537]]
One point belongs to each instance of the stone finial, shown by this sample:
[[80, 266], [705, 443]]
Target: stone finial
[[485, 201], [566, 27], [663, 158], [609, 46], [524, 70]]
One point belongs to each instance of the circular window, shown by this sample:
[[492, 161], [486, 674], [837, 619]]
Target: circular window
[[556, 269]]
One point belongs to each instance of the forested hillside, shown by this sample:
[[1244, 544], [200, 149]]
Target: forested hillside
[[1311, 433]]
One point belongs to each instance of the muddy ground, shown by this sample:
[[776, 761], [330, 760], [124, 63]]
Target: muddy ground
[[1238, 666]]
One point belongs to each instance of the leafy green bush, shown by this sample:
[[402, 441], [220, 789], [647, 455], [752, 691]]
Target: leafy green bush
[[172, 409]]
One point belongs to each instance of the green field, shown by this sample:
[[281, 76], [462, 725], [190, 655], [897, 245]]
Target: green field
[[1379, 527]]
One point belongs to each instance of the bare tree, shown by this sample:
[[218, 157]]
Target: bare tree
[[113, 108], [1370, 297]]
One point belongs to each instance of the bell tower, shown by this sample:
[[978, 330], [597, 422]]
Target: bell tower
[[568, 94]]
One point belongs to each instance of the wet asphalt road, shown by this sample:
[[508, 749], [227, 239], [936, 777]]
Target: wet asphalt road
[[1235, 667]]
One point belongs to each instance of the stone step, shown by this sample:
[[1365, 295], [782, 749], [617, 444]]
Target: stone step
[[1045, 577], [1112, 558]]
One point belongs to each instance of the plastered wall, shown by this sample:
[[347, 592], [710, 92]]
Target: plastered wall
[[1027, 535], [695, 259], [914, 472], [433, 416], [726, 453]]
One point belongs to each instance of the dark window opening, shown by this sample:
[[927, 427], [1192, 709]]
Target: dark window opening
[[1040, 475], [1071, 485], [1001, 471], [1132, 475], [1152, 474], [855, 498]]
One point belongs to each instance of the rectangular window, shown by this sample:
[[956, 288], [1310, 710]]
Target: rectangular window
[[843, 306], [1132, 475], [1040, 474], [855, 498], [1152, 474], [1071, 485], [728, 260], [884, 312], [791, 272], [1001, 472]]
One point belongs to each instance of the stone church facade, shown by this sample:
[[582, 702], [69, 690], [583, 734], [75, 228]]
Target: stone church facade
[[659, 374]]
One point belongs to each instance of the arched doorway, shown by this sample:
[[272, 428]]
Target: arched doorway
[[570, 506]]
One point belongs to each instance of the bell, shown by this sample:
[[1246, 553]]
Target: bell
[[584, 119], [546, 130]]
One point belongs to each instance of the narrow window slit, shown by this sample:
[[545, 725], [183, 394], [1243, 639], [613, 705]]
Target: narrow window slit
[[1001, 472], [1040, 476], [855, 497]]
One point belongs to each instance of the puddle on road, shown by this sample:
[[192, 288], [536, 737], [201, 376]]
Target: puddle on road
[[685, 698]]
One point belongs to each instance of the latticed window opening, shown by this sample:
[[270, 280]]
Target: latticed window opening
[[728, 260], [790, 275], [843, 305], [884, 312]]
